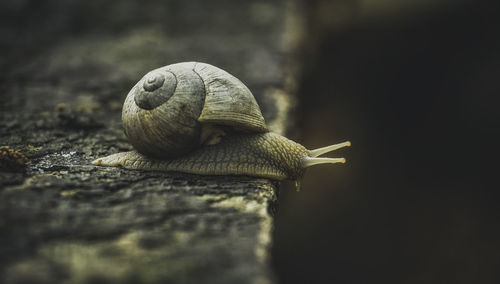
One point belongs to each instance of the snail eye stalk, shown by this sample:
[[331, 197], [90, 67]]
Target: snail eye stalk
[[313, 158], [320, 151], [308, 161]]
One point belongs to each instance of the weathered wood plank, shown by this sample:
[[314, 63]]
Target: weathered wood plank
[[66, 221]]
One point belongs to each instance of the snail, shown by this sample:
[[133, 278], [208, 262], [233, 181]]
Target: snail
[[196, 118]]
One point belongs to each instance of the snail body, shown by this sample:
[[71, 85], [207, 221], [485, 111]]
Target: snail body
[[243, 154], [196, 118]]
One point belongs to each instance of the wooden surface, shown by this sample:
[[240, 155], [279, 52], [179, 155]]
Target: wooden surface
[[66, 221]]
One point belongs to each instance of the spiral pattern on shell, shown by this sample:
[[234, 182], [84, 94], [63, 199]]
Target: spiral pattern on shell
[[165, 112]]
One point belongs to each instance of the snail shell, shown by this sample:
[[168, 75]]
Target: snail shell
[[168, 110], [176, 117]]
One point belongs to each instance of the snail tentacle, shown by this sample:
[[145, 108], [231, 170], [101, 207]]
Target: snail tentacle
[[308, 161], [313, 159], [320, 151]]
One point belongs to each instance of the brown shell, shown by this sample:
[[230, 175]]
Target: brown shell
[[164, 113], [228, 101]]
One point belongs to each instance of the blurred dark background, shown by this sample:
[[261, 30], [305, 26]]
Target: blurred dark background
[[412, 84]]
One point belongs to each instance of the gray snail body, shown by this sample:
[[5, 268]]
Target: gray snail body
[[196, 118]]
